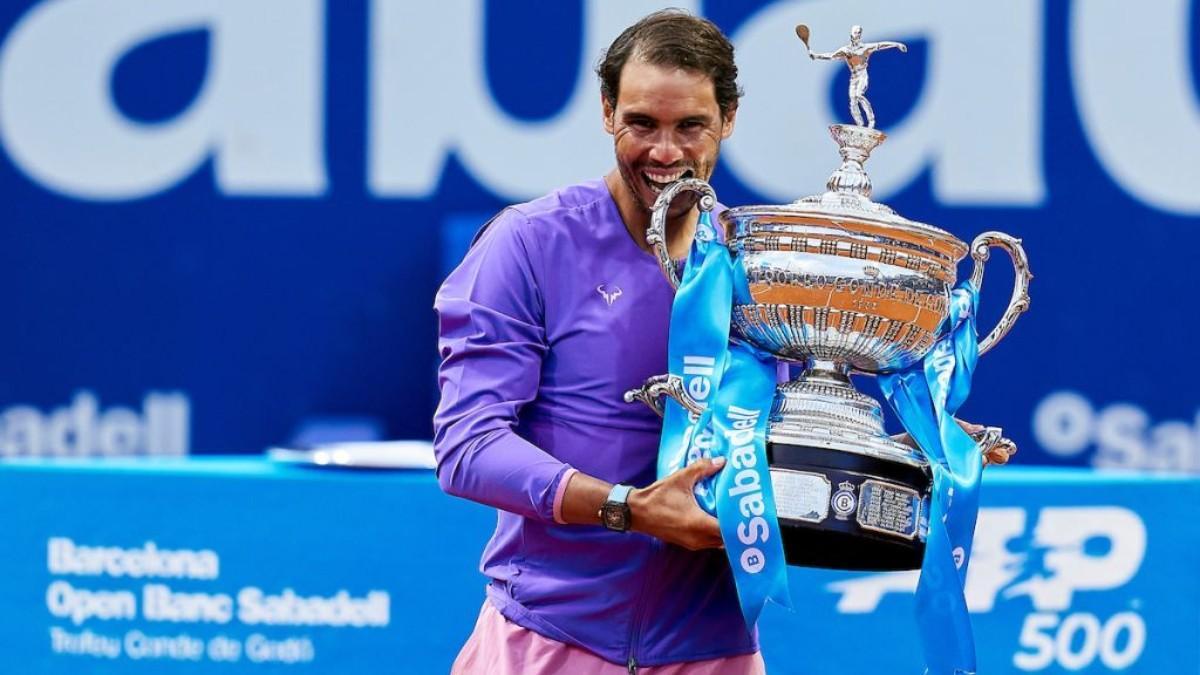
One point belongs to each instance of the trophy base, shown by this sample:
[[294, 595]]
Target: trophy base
[[848, 511]]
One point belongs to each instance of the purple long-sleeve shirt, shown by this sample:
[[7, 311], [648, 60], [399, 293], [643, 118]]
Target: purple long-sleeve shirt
[[554, 313]]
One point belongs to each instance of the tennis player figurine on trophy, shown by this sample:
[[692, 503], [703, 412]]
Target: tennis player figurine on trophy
[[840, 284], [856, 55]]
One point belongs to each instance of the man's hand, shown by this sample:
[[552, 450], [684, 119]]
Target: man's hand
[[668, 510], [999, 452]]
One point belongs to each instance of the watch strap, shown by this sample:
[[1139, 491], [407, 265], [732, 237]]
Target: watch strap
[[619, 494]]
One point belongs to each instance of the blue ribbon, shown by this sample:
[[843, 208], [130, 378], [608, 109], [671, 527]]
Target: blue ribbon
[[925, 397], [696, 350], [735, 385]]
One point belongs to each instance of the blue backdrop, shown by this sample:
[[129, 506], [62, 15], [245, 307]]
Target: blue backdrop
[[224, 222]]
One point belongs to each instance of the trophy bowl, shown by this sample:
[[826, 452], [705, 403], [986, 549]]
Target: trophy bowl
[[841, 284]]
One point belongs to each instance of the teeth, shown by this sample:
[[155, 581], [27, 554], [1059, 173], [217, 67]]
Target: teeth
[[660, 181], [664, 179]]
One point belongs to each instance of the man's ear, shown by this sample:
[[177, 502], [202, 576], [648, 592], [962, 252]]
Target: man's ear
[[607, 110], [727, 124]]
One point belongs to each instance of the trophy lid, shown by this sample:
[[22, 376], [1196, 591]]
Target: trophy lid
[[846, 204]]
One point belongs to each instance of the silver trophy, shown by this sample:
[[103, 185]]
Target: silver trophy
[[842, 285]]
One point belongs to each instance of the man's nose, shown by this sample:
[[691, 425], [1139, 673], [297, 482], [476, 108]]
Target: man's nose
[[666, 149]]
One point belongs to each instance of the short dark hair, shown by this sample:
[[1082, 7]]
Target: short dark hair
[[673, 37]]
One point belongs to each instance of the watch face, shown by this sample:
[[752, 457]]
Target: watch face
[[614, 516]]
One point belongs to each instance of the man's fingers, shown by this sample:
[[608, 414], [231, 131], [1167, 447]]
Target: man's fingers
[[703, 468], [1001, 452]]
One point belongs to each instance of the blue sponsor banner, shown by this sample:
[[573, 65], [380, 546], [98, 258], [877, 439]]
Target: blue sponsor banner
[[237, 565], [1071, 572], [224, 222], [234, 565]]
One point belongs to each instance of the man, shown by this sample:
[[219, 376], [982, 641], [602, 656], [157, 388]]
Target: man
[[558, 308]]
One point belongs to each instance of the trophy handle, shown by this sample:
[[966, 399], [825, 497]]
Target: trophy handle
[[659, 385], [995, 448], [1019, 302], [656, 235]]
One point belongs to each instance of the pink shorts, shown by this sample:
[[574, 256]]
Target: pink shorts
[[499, 647]]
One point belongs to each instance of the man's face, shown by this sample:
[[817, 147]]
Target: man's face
[[666, 126]]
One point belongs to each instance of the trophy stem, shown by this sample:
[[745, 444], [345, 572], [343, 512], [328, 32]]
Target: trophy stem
[[821, 408], [826, 371], [855, 145], [823, 397]]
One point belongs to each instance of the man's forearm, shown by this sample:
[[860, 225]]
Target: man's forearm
[[498, 468], [582, 499], [666, 509]]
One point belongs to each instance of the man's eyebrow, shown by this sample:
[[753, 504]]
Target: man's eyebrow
[[638, 116]]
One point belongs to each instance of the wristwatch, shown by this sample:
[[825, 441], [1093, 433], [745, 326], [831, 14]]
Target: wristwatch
[[614, 514]]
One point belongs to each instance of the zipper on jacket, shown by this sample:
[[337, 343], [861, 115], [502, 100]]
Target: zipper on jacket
[[640, 608]]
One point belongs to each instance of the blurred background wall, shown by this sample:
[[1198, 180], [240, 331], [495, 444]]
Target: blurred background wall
[[222, 223]]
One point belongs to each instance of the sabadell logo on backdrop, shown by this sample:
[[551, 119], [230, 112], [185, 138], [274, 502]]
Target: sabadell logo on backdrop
[[67, 135]]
